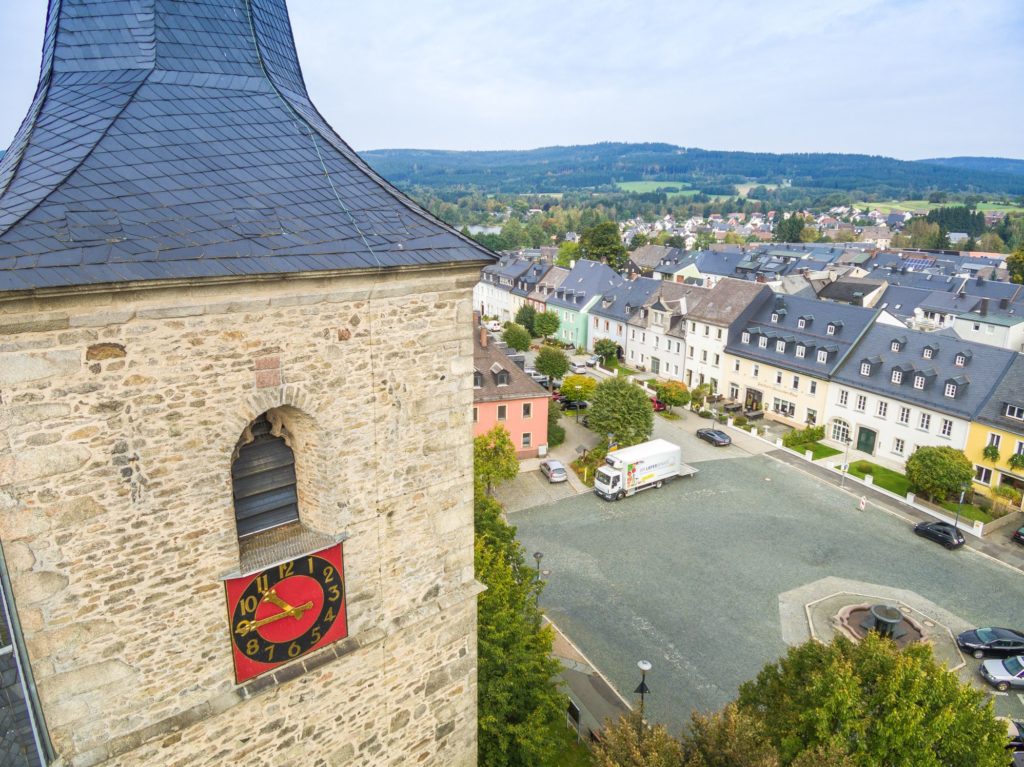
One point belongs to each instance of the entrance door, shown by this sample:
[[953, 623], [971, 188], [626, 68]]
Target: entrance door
[[866, 440], [753, 400]]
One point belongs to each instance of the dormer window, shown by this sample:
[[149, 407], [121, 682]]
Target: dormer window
[[950, 390], [775, 316], [478, 379], [897, 376], [822, 356], [830, 329], [929, 352], [896, 345], [780, 346], [918, 382], [1015, 411], [763, 342], [502, 378], [801, 350], [801, 323], [865, 368], [960, 360], [745, 337]]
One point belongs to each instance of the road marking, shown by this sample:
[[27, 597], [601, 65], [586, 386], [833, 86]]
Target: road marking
[[1021, 696], [996, 692]]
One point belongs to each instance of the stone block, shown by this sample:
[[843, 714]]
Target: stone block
[[39, 463], [18, 368]]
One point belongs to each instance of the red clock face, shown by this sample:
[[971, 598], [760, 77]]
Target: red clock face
[[286, 611]]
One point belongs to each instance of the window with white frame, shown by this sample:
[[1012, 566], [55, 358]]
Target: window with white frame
[[898, 445], [527, 439], [527, 410], [960, 360], [823, 356], [780, 346], [946, 430], [840, 431], [925, 422], [775, 317], [800, 351], [778, 377], [950, 390], [734, 391], [918, 382], [756, 370], [928, 353], [784, 407], [897, 376], [1012, 411], [844, 397], [689, 352], [895, 346], [796, 382], [1020, 448], [994, 440], [736, 366], [830, 329], [814, 387], [983, 474], [904, 416], [862, 403], [719, 334], [717, 359], [745, 337], [882, 409], [704, 355], [801, 323], [865, 368], [763, 342], [502, 412], [812, 417]]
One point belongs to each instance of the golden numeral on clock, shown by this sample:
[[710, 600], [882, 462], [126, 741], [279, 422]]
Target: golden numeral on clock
[[328, 574], [270, 652], [315, 633], [294, 649], [252, 647], [249, 604], [285, 570], [335, 594], [262, 584]]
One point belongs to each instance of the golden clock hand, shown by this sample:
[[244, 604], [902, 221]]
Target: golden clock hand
[[272, 597], [247, 627]]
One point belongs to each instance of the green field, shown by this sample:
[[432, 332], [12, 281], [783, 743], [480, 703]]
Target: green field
[[913, 206], [654, 186]]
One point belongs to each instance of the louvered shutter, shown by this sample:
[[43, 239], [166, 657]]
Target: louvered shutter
[[263, 477]]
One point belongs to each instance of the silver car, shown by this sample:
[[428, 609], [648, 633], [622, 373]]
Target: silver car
[[1004, 674], [554, 471]]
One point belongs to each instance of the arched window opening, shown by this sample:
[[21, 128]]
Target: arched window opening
[[263, 477]]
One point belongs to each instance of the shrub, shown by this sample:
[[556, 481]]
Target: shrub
[[991, 453], [704, 413], [803, 436], [740, 420], [556, 432]]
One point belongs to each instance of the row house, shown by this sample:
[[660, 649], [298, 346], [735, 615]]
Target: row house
[[609, 315], [780, 360], [572, 299], [902, 389], [492, 295], [526, 284], [708, 323], [503, 394], [552, 280], [657, 332], [999, 427]]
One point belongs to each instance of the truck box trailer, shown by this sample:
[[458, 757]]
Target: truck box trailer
[[636, 468]]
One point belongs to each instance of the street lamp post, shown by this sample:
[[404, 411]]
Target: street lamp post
[[538, 556], [846, 463], [642, 689], [956, 522]]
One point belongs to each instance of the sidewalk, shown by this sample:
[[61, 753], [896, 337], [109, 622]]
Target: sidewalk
[[1000, 548]]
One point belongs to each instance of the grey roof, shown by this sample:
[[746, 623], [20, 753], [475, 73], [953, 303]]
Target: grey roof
[[849, 323], [1009, 391], [530, 278], [585, 280], [647, 257], [900, 301], [848, 289], [621, 301], [725, 302], [177, 140], [984, 368]]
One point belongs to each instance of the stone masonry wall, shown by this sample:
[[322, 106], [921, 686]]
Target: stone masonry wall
[[119, 412]]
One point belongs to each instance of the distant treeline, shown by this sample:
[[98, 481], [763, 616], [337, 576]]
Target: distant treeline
[[601, 166]]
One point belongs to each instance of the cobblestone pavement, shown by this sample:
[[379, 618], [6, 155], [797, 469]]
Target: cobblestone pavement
[[690, 576]]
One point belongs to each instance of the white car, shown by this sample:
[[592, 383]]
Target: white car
[[554, 470], [577, 368], [1004, 674], [493, 325]]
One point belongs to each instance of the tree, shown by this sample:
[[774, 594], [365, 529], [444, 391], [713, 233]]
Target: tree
[[567, 253], [939, 472], [552, 362], [991, 242], [675, 241], [704, 240], [606, 349], [728, 738], [673, 393], [1015, 265], [809, 234], [603, 243], [578, 387], [546, 324], [525, 317], [698, 394], [516, 337], [622, 409], [556, 432], [494, 458], [638, 241], [630, 742], [519, 705], [873, 702], [789, 229]]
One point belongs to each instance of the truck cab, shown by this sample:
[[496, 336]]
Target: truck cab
[[607, 484]]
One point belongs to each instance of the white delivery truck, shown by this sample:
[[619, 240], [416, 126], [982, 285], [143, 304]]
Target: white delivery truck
[[649, 464]]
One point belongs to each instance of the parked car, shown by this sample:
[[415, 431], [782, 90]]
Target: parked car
[[940, 532], [1004, 674], [575, 404], [592, 360], [991, 642], [657, 404], [715, 437], [577, 368], [554, 470], [557, 396], [1018, 535], [493, 325], [1016, 735]]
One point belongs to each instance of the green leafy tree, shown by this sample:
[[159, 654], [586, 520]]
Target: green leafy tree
[[630, 742], [552, 362], [939, 472], [525, 317], [675, 241], [704, 240], [567, 253], [603, 243], [556, 432], [494, 458], [519, 705], [622, 409], [728, 738], [876, 703], [546, 324], [991, 242], [638, 241], [790, 229], [698, 394], [577, 387], [673, 393], [517, 337], [606, 349], [1015, 265]]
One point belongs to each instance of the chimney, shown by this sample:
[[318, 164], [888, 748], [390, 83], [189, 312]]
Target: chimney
[[980, 280], [1004, 303], [984, 307], [483, 337]]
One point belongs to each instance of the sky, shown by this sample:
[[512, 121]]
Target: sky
[[903, 78]]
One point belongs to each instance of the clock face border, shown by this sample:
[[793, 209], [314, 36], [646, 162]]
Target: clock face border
[[308, 577]]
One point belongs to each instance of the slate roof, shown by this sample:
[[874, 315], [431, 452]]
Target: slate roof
[[626, 298], [985, 368], [585, 280], [1009, 391], [176, 140], [725, 302], [647, 257], [846, 289], [850, 323], [489, 361], [901, 302]]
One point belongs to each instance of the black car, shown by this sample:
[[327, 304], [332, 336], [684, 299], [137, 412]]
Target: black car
[[1018, 535], [575, 404], [940, 532], [991, 642], [715, 437]]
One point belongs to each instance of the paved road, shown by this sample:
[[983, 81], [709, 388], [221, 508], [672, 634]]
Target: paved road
[[689, 576]]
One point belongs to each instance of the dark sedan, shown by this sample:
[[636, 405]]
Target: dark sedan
[[991, 642], [715, 437], [575, 404], [1018, 535], [940, 532]]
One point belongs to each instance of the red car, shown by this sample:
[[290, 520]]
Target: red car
[[658, 404], [557, 396]]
